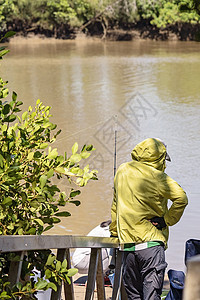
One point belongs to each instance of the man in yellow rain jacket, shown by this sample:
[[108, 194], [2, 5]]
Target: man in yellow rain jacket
[[140, 217]]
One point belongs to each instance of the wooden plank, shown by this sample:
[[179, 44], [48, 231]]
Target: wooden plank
[[55, 295], [92, 274], [69, 288], [118, 276], [100, 279], [42, 242], [15, 269]]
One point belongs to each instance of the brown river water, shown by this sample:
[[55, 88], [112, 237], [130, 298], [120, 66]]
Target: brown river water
[[142, 89]]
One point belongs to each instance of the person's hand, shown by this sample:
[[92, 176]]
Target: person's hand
[[158, 222]]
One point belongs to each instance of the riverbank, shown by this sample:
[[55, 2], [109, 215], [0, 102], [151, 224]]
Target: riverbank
[[141, 31], [116, 20], [179, 32]]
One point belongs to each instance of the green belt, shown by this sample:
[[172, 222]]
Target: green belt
[[141, 246]]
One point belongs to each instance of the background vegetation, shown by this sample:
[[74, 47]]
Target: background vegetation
[[62, 18]]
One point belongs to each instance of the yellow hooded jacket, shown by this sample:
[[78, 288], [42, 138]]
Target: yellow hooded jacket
[[141, 191]]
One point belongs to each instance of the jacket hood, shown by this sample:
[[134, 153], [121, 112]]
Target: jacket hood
[[151, 152]]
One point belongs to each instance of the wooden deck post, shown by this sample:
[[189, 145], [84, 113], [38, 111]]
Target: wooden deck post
[[92, 273], [55, 295], [15, 269], [192, 280], [100, 279], [69, 288], [118, 276]]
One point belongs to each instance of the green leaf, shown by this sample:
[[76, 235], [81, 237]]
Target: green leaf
[[44, 145], [56, 220], [53, 154], [72, 272], [14, 96], [20, 231], [43, 181], [32, 231], [35, 204], [75, 148], [1, 161], [37, 154], [64, 264], [2, 48], [30, 156], [19, 103], [52, 286], [4, 93], [67, 278], [4, 52], [76, 202], [58, 266], [10, 118], [84, 147], [50, 173], [85, 155], [41, 284], [63, 214], [75, 158], [74, 193], [24, 115], [19, 286], [48, 274], [7, 201], [9, 34], [60, 170], [39, 221], [50, 260], [4, 295], [89, 148], [6, 109], [24, 196], [48, 228]]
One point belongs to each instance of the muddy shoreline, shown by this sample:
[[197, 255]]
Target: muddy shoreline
[[140, 31]]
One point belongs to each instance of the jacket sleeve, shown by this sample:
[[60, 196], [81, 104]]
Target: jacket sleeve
[[170, 189], [113, 225]]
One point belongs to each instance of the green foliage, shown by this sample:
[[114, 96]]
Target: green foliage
[[84, 11], [6, 8], [124, 12], [149, 9], [176, 12], [55, 271], [40, 271], [62, 16], [60, 11], [29, 201], [162, 13]]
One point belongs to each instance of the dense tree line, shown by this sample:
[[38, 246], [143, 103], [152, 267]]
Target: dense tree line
[[61, 18]]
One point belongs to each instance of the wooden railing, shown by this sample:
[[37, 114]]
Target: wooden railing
[[63, 244]]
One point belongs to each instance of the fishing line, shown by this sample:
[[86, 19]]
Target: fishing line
[[82, 130]]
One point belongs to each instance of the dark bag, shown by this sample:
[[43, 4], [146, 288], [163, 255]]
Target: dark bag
[[176, 279], [192, 248]]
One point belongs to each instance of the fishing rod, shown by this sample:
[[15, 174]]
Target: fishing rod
[[115, 147], [113, 250]]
